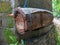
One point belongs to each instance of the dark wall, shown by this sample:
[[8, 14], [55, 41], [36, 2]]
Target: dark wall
[[45, 4]]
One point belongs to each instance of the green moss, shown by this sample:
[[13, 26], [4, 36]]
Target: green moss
[[5, 7], [57, 38]]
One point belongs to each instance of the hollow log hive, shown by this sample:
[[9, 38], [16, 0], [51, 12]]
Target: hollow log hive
[[35, 26], [31, 18]]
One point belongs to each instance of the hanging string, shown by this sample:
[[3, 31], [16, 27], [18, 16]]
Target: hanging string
[[30, 15], [22, 41], [25, 5]]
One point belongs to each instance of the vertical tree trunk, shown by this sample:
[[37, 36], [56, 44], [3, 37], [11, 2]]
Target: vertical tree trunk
[[44, 4]]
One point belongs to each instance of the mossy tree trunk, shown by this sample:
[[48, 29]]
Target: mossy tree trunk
[[45, 4]]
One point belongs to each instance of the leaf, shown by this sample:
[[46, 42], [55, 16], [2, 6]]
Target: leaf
[[58, 7], [22, 42], [10, 37], [15, 43]]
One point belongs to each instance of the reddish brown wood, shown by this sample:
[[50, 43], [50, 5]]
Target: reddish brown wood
[[39, 19]]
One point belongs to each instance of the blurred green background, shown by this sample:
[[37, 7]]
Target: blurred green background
[[56, 7]]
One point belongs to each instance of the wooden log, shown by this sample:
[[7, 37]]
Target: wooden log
[[42, 30], [39, 18]]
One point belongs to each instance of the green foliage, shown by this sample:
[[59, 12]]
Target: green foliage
[[15, 43], [10, 23], [22, 42], [57, 38], [56, 7], [58, 43], [10, 37], [8, 34], [5, 7]]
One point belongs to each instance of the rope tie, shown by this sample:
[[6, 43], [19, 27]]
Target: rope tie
[[22, 41], [30, 15]]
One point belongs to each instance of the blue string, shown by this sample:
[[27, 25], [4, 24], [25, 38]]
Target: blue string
[[30, 15], [25, 4], [28, 12]]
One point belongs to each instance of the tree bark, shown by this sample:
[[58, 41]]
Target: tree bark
[[44, 4]]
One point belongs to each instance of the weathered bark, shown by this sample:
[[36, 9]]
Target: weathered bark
[[44, 4], [42, 36], [39, 20]]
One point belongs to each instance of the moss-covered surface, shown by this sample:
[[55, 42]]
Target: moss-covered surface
[[57, 31], [5, 7]]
